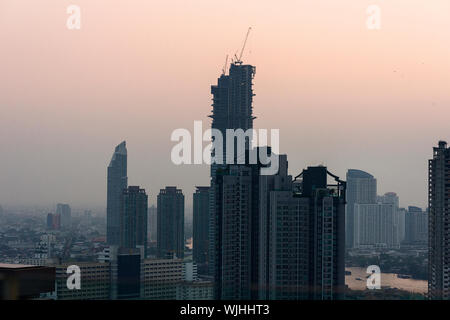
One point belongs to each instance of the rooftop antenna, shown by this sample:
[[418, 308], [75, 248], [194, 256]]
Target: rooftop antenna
[[239, 60]]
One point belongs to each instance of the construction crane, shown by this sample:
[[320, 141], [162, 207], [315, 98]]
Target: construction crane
[[239, 60], [224, 70]]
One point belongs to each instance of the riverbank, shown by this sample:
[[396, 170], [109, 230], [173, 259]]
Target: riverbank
[[388, 280]]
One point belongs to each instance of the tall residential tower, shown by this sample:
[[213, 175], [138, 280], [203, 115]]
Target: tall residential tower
[[438, 223], [201, 227], [133, 219], [361, 189], [170, 223], [117, 183]]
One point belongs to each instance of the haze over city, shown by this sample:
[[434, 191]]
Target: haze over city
[[341, 95]]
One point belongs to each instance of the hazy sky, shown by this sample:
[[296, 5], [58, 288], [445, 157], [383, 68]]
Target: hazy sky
[[342, 95]]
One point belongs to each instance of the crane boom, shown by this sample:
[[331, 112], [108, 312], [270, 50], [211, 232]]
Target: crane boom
[[224, 70], [243, 47]]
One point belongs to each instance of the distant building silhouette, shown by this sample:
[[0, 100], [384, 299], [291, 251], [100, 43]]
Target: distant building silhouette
[[361, 189], [133, 219], [416, 226], [376, 226], [117, 182], [438, 223], [201, 227], [65, 212], [53, 221], [170, 223], [152, 223], [50, 221]]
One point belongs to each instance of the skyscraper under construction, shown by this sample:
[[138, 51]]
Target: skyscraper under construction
[[232, 109]]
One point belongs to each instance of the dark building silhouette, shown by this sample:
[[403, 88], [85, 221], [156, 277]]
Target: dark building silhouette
[[23, 282], [117, 182], [152, 223], [53, 221], [201, 227], [129, 274], [170, 223], [133, 218], [232, 109], [438, 223], [284, 238], [232, 100], [234, 230], [50, 221], [326, 232]]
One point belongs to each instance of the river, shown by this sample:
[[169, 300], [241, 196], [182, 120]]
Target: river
[[387, 280]]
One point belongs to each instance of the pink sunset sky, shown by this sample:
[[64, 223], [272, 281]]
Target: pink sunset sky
[[342, 95]]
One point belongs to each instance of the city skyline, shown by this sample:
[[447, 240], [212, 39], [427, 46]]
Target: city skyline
[[66, 122], [242, 152]]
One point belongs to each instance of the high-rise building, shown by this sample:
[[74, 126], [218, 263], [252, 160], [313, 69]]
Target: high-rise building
[[402, 212], [234, 190], [371, 220], [422, 228], [1, 211], [232, 101], [87, 217], [376, 226], [133, 218], [390, 198], [65, 212], [201, 226], [152, 223], [117, 182], [416, 226], [53, 221], [399, 223], [234, 230], [326, 232], [232, 109], [284, 238], [50, 221], [438, 223], [170, 223], [361, 189]]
